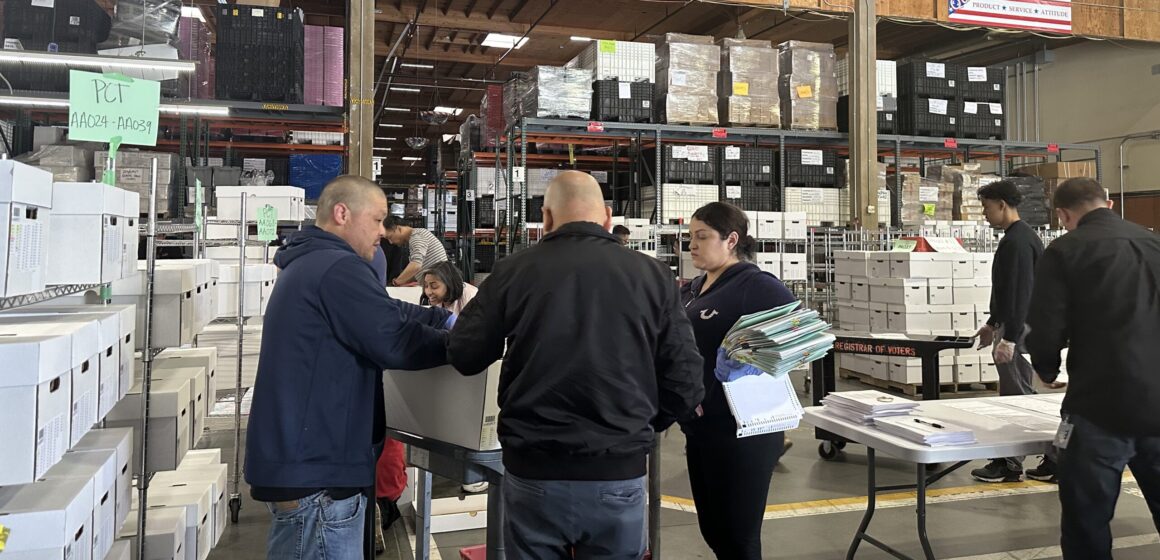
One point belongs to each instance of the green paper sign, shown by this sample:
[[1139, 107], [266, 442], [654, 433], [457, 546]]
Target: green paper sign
[[607, 46], [104, 106], [198, 216], [267, 223], [904, 245], [928, 209]]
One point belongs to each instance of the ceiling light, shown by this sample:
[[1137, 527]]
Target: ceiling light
[[414, 65], [388, 139], [192, 12], [449, 110], [95, 61], [196, 110], [412, 158], [377, 149], [502, 41], [20, 101], [405, 89], [32, 101], [578, 38], [397, 109], [390, 125]]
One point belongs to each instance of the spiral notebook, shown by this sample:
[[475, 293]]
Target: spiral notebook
[[763, 404]]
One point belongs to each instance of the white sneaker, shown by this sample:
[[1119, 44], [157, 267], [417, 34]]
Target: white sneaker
[[475, 488]]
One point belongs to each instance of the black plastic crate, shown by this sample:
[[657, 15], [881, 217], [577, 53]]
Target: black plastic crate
[[750, 197], [811, 168], [484, 256], [695, 164], [887, 116], [984, 121], [71, 21], [983, 83], [920, 116], [610, 105], [920, 78], [747, 166], [485, 211], [259, 54], [536, 209]]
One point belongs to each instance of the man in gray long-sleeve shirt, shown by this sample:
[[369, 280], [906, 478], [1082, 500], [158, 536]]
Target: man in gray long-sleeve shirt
[[1012, 278]]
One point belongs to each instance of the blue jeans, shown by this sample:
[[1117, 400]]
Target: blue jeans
[[555, 519], [1091, 469], [317, 528]]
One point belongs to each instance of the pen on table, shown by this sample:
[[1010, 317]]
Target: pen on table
[[931, 424]]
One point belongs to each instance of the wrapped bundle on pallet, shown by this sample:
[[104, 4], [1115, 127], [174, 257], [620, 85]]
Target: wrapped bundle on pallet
[[687, 67], [558, 92], [923, 200], [808, 86], [748, 85]]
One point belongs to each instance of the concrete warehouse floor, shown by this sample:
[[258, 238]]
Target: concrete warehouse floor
[[815, 506]]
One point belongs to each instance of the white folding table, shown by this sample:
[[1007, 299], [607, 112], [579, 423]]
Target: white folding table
[[1003, 426]]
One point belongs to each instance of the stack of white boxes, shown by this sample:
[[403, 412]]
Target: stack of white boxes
[[942, 294], [777, 226], [25, 213], [618, 60], [288, 202], [135, 173], [86, 241], [256, 291]]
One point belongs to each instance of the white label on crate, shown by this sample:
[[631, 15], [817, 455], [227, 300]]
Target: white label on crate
[[813, 196], [971, 108], [625, 90], [996, 108], [257, 12], [646, 104], [878, 102], [765, 169], [889, 117], [938, 106], [518, 174], [44, 3], [732, 152], [952, 120], [928, 194], [812, 157], [733, 191], [600, 176], [469, 194], [679, 79], [829, 171], [945, 244], [997, 87], [131, 174], [253, 164], [684, 190], [977, 74], [680, 152], [698, 153], [951, 83], [74, 20], [998, 122], [936, 70], [13, 45], [423, 211]]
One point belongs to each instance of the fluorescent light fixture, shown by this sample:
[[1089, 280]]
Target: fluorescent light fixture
[[390, 125], [209, 110], [450, 137], [412, 158], [406, 89], [415, 65], [192, 12], [388, 139], [94, 61], [449, 110], [382, 149], [32, 101], [578, 38], [195, 110], [397, 109], [502, 41]]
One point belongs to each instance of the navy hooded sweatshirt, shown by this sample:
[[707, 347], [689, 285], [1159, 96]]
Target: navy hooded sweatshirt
[[742, 289], [329, 332]]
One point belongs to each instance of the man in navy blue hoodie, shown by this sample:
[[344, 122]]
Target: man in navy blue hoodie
[[330, 331]]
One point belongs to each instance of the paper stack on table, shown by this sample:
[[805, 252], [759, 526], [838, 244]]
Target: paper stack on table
[[865, 406], [779, 340], [927, 431]]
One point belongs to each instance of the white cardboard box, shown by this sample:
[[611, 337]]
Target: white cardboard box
[[85, 244], [197, 395], [899, 291], [100, 466], [194, 500], [289, 202], [50, 519], [169, 420], [214, 474], [967, 369], [988, 371], [794, 225], [25, 214], [132, 235], [769, 262], [416, 402], [843, 288], [201, 458], [915, 319], [252, 290], [860, 288], [963, 265], [879, 367], [878, 265], [852, 263], [35, 400], [921, 265], [205, 357], [970, 291], [172, 303], [793, 266], [164, 534], [230, 254], [770, 225], [983, 264], [941, 291], [119, 440], [854, 316], [909, 371], [121, 550], [879, 317]]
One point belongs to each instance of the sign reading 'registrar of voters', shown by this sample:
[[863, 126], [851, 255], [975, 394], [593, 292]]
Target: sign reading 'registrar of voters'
[[105, 106]]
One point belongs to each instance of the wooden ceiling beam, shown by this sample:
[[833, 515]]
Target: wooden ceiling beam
[[494, 8], [431, 39], [516, 10], [451, 40], [465, 23], [470, 8]]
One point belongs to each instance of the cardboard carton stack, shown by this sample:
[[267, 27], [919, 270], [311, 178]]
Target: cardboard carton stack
[[747, 85], [923, 200], [808, 86], [686, 89]]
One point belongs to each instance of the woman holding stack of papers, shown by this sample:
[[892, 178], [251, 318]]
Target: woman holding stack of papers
[[730, 476]]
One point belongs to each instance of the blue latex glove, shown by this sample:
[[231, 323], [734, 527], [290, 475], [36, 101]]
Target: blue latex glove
[[732, 370], [451, 319]]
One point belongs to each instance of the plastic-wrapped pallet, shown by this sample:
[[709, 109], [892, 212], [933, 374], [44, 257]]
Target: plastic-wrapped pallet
[[808, 86], [686, 71], [923, 199], [965, 178], [514, 91], [558, 92], [1035, 209], [883, 201], [491, 115], [618, 60], [748, 85], [135, 172]]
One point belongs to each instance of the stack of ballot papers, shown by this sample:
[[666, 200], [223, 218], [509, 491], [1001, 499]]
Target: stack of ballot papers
[[779, 340], [927, 431], [864, 407]]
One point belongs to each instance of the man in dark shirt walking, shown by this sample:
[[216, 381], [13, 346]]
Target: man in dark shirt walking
[[1097, 291], [1012, 276]]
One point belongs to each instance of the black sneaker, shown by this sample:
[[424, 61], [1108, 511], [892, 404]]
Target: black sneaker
[[1045, 472], [389, 513], [998, 470]]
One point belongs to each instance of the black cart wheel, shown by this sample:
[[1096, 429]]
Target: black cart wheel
[[840, 444], [235, 508], [828, 450]]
